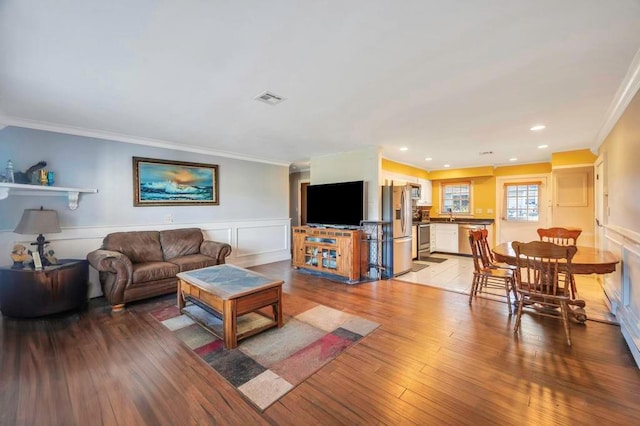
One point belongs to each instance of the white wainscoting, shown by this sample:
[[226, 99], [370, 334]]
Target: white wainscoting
[[622, 287], [254, 242]]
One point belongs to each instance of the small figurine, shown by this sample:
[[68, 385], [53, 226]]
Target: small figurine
[[30, 177], [9, 176], [43, 177], [51, 258], [19, 255]]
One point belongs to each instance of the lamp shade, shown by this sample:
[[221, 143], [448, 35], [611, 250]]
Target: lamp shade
[[38, 221]]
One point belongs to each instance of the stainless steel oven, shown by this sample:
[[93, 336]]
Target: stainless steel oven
[[424, 239]]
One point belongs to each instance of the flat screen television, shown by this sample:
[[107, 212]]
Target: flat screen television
[[336, 204]]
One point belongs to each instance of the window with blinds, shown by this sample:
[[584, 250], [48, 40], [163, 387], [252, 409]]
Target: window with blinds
[[522, 202]]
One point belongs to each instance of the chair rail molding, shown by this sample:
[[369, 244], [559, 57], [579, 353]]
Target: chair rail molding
[[72, 194], [621, 287], [253, 242]]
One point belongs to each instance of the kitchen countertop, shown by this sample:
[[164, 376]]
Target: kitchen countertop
[[464, 221]]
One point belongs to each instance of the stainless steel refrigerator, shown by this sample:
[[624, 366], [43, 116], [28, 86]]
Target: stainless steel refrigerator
[[396, 210]]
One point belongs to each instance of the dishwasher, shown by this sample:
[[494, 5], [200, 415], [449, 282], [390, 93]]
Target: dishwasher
[[463, 236]]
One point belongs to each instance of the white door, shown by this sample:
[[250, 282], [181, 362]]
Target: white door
[[510, 227]]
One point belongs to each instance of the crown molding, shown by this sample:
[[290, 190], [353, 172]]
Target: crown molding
[[109, 136], [625, 93]]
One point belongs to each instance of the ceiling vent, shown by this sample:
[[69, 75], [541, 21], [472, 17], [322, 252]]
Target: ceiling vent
[[486, 152], [269, 98]]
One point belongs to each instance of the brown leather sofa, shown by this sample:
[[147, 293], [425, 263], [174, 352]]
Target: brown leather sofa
[[141, 264]]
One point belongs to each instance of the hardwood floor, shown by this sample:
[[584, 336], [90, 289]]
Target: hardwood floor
[[434, 360]]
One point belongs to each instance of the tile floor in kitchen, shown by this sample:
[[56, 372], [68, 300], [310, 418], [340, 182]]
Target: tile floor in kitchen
[[456, 273]]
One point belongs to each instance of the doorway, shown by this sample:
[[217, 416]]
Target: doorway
[[302, 208], [510, 229]]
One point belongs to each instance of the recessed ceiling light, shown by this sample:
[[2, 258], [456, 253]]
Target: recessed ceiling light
[[513, 159], [543, 146], [538, 127], [447, 165], [404, 148], [428, 159]]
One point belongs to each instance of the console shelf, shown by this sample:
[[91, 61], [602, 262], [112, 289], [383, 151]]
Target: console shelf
[[72, 194], [333, 251]]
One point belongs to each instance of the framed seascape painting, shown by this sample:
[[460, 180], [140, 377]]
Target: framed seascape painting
[[174, 183]]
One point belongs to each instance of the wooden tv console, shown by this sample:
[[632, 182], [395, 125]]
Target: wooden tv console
[[330, 250]]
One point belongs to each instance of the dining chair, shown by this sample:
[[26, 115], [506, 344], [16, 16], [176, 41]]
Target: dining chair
[[539, 283], [563, 237], [487, 256], [560, 236], [485, 276]]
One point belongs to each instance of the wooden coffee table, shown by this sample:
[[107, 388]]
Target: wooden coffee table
[[229, 292]]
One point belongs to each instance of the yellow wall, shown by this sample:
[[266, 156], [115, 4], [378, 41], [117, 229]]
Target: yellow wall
[[523, 169], [461, 173], [403, 169], [575, 216], [484, 185], [484, 178], [571, 158], [621, 150], [483, 196]]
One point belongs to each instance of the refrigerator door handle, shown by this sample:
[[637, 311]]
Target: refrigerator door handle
[[402, 204]]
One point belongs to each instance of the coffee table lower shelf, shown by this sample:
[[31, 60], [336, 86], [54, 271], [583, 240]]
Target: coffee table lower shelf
[[247, 325], [233, 310]]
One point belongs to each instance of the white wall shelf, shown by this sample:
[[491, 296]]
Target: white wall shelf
[[72, 194]]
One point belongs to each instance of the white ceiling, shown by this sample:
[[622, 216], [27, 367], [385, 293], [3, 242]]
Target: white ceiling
[[447, 79]]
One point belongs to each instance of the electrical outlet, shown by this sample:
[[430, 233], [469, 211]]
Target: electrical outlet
[[489, 210], [478, 211], [168, 218]]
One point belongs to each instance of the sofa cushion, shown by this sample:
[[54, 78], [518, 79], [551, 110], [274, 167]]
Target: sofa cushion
[[193, 261], [138, 246], [153, 271], [180, 242]]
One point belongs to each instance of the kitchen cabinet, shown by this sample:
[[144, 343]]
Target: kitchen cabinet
[[425, 193], [446, 237], [432, 236], [398, 179], [489, 229]]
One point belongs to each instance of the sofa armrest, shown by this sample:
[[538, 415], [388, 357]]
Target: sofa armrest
[[215, 249], [110, 261], [116, 272]]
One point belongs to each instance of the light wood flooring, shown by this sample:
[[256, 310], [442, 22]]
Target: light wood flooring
[[434, 360]]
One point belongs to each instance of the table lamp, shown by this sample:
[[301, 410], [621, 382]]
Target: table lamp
[[39, 221]]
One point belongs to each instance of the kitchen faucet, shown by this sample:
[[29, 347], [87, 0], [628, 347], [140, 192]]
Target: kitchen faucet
[[450, 216]]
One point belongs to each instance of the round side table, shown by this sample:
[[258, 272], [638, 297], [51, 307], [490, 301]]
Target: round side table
[[29, 293]]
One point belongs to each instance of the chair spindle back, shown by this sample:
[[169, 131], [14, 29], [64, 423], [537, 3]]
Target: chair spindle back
[[560, 236]]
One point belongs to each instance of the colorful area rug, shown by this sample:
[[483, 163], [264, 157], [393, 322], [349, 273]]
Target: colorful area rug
[[268, 365]]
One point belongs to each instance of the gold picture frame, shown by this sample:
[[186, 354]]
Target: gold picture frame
[[174, 183]]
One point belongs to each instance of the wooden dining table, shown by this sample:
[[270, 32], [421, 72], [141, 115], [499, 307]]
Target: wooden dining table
[[586, 261]]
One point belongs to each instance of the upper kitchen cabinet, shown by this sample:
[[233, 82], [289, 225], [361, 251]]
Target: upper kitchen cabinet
[[425, 193], [397, 179]]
